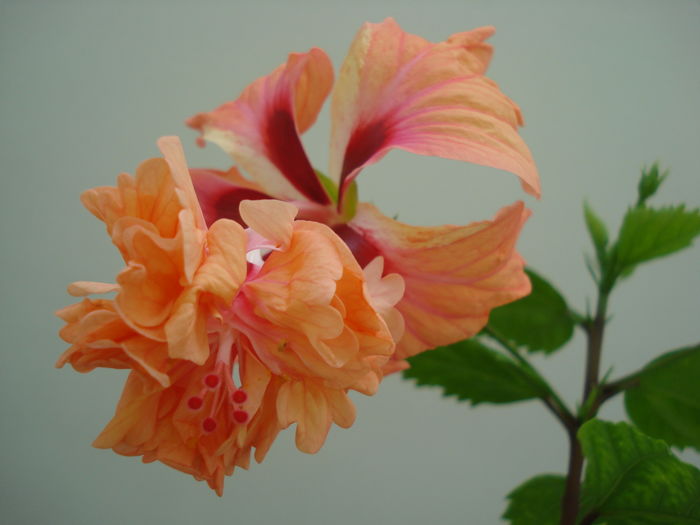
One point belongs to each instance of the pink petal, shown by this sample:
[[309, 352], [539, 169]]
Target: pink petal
[[397, 90], [454, 275], [261, 129]]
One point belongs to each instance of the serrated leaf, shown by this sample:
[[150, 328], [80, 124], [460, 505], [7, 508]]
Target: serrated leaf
[[649, 233], [666, 401], [537, 501], [472, 371], [632, 479], [649, 183], [598, 232], [539, 322]]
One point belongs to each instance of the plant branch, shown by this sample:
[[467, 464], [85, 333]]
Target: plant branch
[[551, 400], [595, 329]]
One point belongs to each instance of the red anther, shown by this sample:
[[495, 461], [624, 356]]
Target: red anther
[[240, 416], [211, 380], [209, 424], [239, 396], [195, 402]]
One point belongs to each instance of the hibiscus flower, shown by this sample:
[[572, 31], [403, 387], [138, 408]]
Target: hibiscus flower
[[231, 334], [394, 90]]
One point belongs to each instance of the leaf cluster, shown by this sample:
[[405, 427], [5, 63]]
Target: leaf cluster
[[631, 477]]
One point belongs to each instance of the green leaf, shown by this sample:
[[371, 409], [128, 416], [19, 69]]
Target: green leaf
[[649, 233], [632, 479], [666, 401], [598, 231], [649, 183], [539, 322], [537, 501], [470, 370]]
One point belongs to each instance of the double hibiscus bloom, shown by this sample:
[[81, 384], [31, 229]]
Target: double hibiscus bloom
[[249, 304]]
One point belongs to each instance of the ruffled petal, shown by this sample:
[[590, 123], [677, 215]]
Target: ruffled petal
[[83, 288], [100, 338], [454, 275], [397, 90], [261, 129], [271, 219]]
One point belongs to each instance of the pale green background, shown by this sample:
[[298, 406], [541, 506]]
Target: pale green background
[[87, 87]]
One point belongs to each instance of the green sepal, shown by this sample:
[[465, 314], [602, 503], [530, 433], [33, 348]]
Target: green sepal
[[537, 501], [598, 232], [649, 183], [664, 400], [330, 186], [471, 371], [539, 322], [349, 204]]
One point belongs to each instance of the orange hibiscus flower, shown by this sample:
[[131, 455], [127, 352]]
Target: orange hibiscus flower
[[232, 334]]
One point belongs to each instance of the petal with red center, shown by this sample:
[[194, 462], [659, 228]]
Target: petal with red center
[[220, 193], [454, 275], [261, 129], [397, 90]]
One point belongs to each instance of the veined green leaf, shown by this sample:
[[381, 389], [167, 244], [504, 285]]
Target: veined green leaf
[[539, 322], [666, 401], [649, 233], [470, 370], [632, 479], [537, 501]]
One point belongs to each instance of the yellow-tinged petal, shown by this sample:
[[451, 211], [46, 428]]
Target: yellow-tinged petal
[[397, 90], [454, 275], [171, 147], [83, 288], [224, 269], [272, 219]]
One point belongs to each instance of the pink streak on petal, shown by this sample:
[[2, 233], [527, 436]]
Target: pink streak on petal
[[397, 90], [261, 128], [219, 197]]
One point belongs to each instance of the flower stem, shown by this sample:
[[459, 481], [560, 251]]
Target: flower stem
[[551, 399], [594, 331]]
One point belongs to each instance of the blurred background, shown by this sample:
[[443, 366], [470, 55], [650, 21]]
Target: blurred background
[[87, 87]]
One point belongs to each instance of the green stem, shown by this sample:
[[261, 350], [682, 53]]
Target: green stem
[[551, 399]]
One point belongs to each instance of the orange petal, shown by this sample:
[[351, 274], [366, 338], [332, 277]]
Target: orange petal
[[261, 128], [172, 151], [83, 288], [397, 90], [101, 338], [224, 269], [454, 275], [270, 218]]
